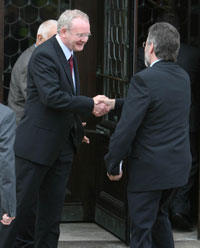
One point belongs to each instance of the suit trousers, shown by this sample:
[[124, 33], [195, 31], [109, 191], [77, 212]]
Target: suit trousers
[[150, 226], [47, 185], [182, 202]]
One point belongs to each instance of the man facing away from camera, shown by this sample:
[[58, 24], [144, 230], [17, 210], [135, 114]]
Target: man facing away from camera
[[153, 133], [50, 131]]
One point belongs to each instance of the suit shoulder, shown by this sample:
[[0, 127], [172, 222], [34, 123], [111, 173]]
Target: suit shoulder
[[23, 59], [26, 54], [45, 46], [144, 73], [46, 49]]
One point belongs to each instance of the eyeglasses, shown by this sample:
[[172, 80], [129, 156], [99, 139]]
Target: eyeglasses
[[144, 44], [83, 35]]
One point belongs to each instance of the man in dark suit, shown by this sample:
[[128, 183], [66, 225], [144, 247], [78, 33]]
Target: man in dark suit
[[51, 129], [182, 205], [16, 101], [7, 165], [18, 83], [154, 133]]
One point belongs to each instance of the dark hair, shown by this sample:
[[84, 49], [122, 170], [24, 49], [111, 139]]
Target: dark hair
[[166, 40]]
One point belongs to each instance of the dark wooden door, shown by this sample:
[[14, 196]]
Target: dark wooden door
[[105, 67], [115, 66]]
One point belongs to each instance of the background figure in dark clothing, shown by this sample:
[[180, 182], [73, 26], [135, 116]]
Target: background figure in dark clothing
[[180, 207], [189, 59]]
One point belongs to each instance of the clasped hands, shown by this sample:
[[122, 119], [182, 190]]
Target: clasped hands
[[102, 105]]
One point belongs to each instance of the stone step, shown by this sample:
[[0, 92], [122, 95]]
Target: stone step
[[91, 244], [90, 235], [187, 244], [101, 244]]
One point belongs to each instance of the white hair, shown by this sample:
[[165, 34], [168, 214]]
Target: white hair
[[67, 16], [45, 28]]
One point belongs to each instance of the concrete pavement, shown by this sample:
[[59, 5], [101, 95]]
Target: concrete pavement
[[90, 235]]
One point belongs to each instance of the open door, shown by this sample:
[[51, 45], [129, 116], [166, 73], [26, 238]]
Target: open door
[[115, 66]]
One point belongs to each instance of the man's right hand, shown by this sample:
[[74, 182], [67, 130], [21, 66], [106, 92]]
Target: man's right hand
[[102, 105]]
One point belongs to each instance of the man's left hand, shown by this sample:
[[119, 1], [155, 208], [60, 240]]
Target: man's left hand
[[85, 138], [6, 220]]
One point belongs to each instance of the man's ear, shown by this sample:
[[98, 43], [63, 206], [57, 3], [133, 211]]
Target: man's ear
[[151, 48], [63, 32], [39, 39]]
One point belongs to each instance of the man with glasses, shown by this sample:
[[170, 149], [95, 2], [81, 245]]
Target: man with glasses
[[50, 131], [154, 133]]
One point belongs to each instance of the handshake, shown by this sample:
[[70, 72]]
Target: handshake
[[102, 105]]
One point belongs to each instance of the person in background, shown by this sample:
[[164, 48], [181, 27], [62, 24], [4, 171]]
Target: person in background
[[7, 165], [153, 133], [182, 205], [51, 129], [18, 83]]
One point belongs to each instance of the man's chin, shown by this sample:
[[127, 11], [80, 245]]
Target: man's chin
[[79, 48]]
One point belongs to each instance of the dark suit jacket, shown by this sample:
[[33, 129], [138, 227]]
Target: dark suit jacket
[[7, 161], [52, 109], [154, 129], [188, 59]]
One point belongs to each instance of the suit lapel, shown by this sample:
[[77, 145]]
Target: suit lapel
[[64, 62]]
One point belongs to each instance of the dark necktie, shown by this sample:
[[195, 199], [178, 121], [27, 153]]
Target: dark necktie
[[71, 64]]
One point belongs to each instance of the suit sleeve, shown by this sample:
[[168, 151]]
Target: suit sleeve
[[134, 110], [119, 103], [19, 77], [46, 78], [7, 165]]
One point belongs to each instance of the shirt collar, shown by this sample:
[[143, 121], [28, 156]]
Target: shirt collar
[[155, 62], [65, 49]]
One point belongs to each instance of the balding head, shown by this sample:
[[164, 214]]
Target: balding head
[[45, 31]]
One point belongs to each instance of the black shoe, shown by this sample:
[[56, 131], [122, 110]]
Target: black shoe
[[181, 222]]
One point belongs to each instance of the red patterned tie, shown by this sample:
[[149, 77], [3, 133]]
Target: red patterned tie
[[71, 63]]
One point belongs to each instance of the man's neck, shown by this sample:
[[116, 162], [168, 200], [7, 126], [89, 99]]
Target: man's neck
[[154, 62]]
